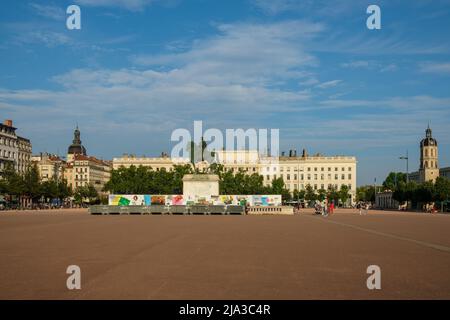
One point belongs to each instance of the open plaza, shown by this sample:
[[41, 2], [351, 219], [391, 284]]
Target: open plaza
[[301, 256]]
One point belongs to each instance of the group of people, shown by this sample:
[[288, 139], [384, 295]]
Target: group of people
[[362, 207], [324, 208]]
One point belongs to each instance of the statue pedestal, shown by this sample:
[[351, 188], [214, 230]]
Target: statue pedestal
[[200, 185]]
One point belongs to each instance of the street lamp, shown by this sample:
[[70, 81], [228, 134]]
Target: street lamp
[[407, 165]]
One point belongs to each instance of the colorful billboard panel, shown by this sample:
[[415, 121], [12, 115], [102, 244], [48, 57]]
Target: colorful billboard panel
[[161, 200], [177, 199]]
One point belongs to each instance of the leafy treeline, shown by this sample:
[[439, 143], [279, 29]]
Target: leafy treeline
[[411, 191], [145, 180], [426, 192], [29, 185], [341, 195]]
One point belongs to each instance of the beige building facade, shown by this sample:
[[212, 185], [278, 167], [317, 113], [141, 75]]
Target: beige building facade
[[50, 167], [14, 150], [83, 171]]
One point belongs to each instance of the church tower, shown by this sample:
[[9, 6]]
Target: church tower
[[76, 147], [429, 166]]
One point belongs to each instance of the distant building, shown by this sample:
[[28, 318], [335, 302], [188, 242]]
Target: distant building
[[24, 154], [429, 160], [156, 163], [76, 147], [50, 167], [82, 170], [14, 150], [385, 200], [445, 172], [318, 171]]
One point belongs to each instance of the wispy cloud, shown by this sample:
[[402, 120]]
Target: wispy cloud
[[132, 5], [315, 7], [256, 54], [435, 67], [48, 11], [369, 65], [329, 84]]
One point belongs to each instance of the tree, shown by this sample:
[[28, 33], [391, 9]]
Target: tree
[[365, 193], [333, 194], [178, 173], [32, 184], [277, 186], [424, 192], [64, 191], [393, 179], [310, 194], [298, 195], [344, 194], [441, 189], [86, 192], [321, 194], [91, 193], [13, 183], [49, 190]]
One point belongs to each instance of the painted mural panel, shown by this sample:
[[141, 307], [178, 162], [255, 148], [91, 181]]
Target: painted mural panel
[[173, 200]]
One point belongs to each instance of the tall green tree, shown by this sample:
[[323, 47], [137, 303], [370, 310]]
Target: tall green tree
[[344, 194], [441, 189], [32, 183], [333, 194], [310, 194], [393, 179]]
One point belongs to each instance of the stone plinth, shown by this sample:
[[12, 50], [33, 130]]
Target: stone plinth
[[200, 185]]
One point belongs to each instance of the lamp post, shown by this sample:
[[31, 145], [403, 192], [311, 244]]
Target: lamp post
[[407, 165]]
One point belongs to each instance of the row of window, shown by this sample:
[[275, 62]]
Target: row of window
[[309, 169], [295, 186], [433, 164], [309, 176], [9, 142], [432, 153], [12, 154]]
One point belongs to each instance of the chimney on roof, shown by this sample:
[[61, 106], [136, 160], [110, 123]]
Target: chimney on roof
[[8, 123], [295, 152], [282, 153]]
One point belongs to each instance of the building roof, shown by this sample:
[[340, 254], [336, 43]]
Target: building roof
[[76, 147], [428, 140], [24, 139], [81, 157]]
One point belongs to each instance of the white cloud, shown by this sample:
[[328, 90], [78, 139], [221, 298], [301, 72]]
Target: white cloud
[[277, 6], [244, 53], [234, 79], [49, 11], [356, 64], [336, 8], [44, 37], [329, 84], [132, 5], [435, 67], [369, 65]]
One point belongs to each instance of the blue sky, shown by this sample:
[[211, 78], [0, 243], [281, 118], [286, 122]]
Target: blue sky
[[139, 69]]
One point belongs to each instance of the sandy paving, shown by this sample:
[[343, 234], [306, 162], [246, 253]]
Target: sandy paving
[[224, 257]]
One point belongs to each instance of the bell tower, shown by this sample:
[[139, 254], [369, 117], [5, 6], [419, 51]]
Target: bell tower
[[429, 166]]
